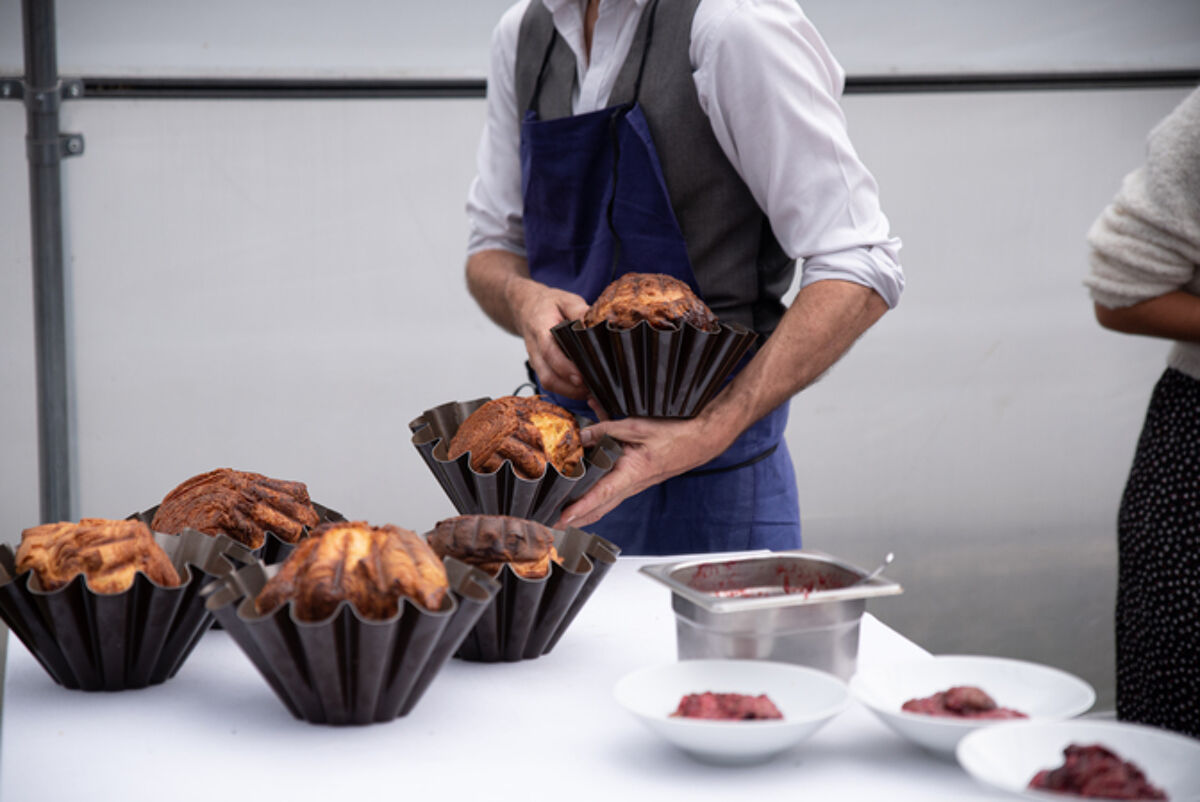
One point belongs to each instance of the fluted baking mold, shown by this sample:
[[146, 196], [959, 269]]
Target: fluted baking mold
[[529, 616], [653, 373], [117, 641], [347, 669], [503, 491]]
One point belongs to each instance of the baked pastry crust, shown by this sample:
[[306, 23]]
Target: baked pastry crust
[[489, 542], [369, 566], [660, 300], [240, 504], [109, 553], [527, 430]]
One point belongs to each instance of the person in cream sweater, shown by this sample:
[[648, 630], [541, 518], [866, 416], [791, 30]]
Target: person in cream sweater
[[1145, 279]]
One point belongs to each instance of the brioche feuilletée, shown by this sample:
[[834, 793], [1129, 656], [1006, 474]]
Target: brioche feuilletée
[[661, 300], [109, 553], [489, 542], [240, 504], [526, 430], [372, 567]]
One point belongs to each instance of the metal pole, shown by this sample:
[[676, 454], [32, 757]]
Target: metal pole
[[44, 145]]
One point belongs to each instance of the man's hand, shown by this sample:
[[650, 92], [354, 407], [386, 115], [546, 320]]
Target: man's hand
[[500, 282], [653, 450], [537, 309]]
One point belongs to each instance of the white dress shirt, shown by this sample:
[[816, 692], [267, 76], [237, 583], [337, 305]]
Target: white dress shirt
[[770, 88]]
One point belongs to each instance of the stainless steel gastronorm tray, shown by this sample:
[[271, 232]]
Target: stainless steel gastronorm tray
[[710, 583], [800, 607]]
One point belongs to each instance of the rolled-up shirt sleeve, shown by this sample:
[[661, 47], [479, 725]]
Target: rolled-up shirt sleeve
[[770, 88], [494, 203]]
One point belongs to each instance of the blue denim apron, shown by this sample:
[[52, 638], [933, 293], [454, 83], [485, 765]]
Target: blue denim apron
[[597, 207]]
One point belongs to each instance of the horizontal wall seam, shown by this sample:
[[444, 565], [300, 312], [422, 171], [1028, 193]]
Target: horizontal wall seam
[[200, 88]]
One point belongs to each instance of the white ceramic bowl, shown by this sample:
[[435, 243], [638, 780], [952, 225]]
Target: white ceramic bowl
[[1041, 692], [1008, 757], [806, 697]]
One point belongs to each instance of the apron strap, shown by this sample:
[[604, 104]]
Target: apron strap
[[537, 87], [637, 85], [612, 123], [616, 143]]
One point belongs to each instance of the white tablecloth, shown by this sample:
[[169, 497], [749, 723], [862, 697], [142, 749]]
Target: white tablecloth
[[539, 729]]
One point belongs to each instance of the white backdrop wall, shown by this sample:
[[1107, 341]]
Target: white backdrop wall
[[390, 38], [276, 286]]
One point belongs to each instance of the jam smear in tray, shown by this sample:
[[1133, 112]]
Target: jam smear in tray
[[744, 580]]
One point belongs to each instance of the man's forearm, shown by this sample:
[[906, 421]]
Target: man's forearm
[[489, 274], [820, 326]]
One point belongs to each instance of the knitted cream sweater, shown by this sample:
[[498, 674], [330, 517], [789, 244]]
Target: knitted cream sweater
[[1147, 242]]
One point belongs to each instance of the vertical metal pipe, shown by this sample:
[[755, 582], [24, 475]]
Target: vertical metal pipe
[[45, 213]]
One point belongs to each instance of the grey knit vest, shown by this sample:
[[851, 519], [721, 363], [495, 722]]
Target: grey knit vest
[[740, 267]]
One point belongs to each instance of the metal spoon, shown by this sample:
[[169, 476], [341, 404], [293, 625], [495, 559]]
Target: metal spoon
[[886, 562]]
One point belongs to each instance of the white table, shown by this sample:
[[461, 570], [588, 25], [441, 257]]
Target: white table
[[540, 729]]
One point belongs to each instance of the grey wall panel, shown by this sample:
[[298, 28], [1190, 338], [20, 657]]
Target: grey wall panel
[[981, 36], [361, 38], [377, 38], [983, 430], [274, 287], [277, 286], [18, 393]]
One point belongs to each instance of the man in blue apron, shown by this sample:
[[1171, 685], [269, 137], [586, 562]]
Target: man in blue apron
[[701, 139]]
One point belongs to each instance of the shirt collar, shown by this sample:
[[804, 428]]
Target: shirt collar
[[555, 5]]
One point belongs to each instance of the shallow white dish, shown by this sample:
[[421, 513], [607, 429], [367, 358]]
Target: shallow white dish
[[1039, 691], [1008, 757], [806, 697]]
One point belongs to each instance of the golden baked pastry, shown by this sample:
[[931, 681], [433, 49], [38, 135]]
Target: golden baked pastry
[[108, 553], [243, 505], [370, 566], [660, 300], [488, 542], [527, 430]]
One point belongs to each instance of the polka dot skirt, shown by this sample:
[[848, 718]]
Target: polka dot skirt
[[1158, 585]]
